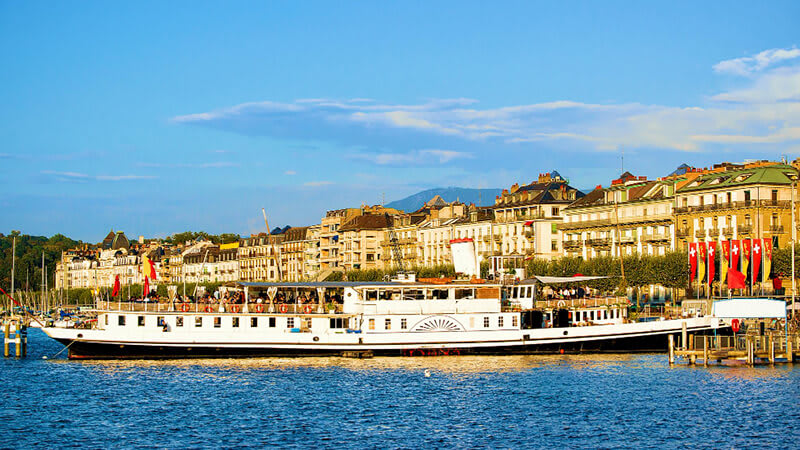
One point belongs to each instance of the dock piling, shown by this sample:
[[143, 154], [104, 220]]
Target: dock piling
[[671, 340]]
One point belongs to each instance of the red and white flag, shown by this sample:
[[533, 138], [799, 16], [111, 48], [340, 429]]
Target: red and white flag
[[757, 252], [712, 260], [746, 246], [736, 251], [692, 260]]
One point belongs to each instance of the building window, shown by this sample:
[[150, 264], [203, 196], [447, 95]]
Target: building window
[[290, 322], [387, 324], [179, 321], [121, 320], [198, 321], [485, 322], [554, 245], [371, 324], [272, 322], [403, 324], [141, 321], [500, 321], [235, 322]]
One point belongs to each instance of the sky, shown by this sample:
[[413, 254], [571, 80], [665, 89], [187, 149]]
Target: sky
[[160, 117]]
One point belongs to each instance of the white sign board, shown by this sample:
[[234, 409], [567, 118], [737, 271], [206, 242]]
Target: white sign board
[[465, 259], [749, 308]]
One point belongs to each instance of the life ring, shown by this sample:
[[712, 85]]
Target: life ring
[[283, 308], [235, 308], [308, 309], [735, 325], [185, 307], [259, 308], [208, 309]]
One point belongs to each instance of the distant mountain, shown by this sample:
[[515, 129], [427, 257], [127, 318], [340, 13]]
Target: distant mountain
[[481, 197]]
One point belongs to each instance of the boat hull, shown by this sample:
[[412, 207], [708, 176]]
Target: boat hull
[[621, 342]]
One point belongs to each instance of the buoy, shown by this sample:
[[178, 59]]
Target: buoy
[[562, 351], [427, 373], [44, 357]]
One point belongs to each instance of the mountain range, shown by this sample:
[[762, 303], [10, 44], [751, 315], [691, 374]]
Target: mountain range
[[480, 197]]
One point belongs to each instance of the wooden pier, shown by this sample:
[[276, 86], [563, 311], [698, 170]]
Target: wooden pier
[[751, 349]]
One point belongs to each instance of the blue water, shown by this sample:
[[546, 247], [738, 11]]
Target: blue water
[[517, 401]]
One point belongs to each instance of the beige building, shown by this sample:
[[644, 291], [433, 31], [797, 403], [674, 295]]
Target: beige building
[[633, 215], [293, 254], [259, 257], [526, 218], [360, 241]]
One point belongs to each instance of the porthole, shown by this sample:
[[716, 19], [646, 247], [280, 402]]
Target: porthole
[[565, 332], [316, 338], [80, 335]]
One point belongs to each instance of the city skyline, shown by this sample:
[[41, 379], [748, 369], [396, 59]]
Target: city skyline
[[157, 119]]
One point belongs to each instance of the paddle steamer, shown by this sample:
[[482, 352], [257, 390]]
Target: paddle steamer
[[381, 318]]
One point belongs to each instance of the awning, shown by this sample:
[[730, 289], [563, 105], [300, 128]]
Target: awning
[[557, 280], [749, 308], [528, 223]]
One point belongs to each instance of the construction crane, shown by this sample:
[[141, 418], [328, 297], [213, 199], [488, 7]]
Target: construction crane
[[397, 253], [273, 247]]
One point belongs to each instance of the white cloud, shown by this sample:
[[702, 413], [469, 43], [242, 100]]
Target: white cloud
[[290, 172], [318, 183], [763, 114], [82, 177], [207, 165], [412, 158], [752, 64]]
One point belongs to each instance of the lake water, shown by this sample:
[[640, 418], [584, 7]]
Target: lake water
[[516, 401]]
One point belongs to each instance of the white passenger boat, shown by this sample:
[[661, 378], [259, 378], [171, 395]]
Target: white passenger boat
[[381, 318]]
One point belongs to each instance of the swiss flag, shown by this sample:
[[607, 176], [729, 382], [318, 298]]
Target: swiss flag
[[712, 259], [116, 286], [735, 279], [692, 260], [735, 253], [756, 258]]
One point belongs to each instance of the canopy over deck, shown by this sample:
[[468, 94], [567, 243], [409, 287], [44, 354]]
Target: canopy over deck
[[749, 308], [560, 280]]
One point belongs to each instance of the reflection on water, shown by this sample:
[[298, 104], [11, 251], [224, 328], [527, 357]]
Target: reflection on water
[[467, 401]]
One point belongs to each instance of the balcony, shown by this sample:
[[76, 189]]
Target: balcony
[[627, 239], [744, 229], [776, 229], [655, 237], [599, 242], [572, 243], [528, 234], [682, 232], [700, 233]]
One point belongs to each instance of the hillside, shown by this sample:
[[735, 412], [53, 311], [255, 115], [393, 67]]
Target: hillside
[[481, 197]]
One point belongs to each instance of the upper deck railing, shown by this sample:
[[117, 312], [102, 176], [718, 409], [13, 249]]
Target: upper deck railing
[[221, 308]]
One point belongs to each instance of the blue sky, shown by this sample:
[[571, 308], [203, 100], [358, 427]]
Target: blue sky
[[159, 117]]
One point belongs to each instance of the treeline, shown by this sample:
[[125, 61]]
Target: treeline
[[186, 236], [29, 249]]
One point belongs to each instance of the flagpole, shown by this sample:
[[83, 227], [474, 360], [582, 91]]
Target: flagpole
[[794, 238]]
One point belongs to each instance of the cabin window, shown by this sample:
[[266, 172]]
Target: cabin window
[[160, 321], [472, 322], [371, 324], [439, 294], [591, 315], [179, 321], [338, 323], [485, 322], [500, 321], [514, 321], [121, 320], [198, 321], [371, 295], [217, 322], [235, 322], [272, 323], [290, 322], [387, 324], [464, 293], [141, 321], [403, 324], [307, 322]]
